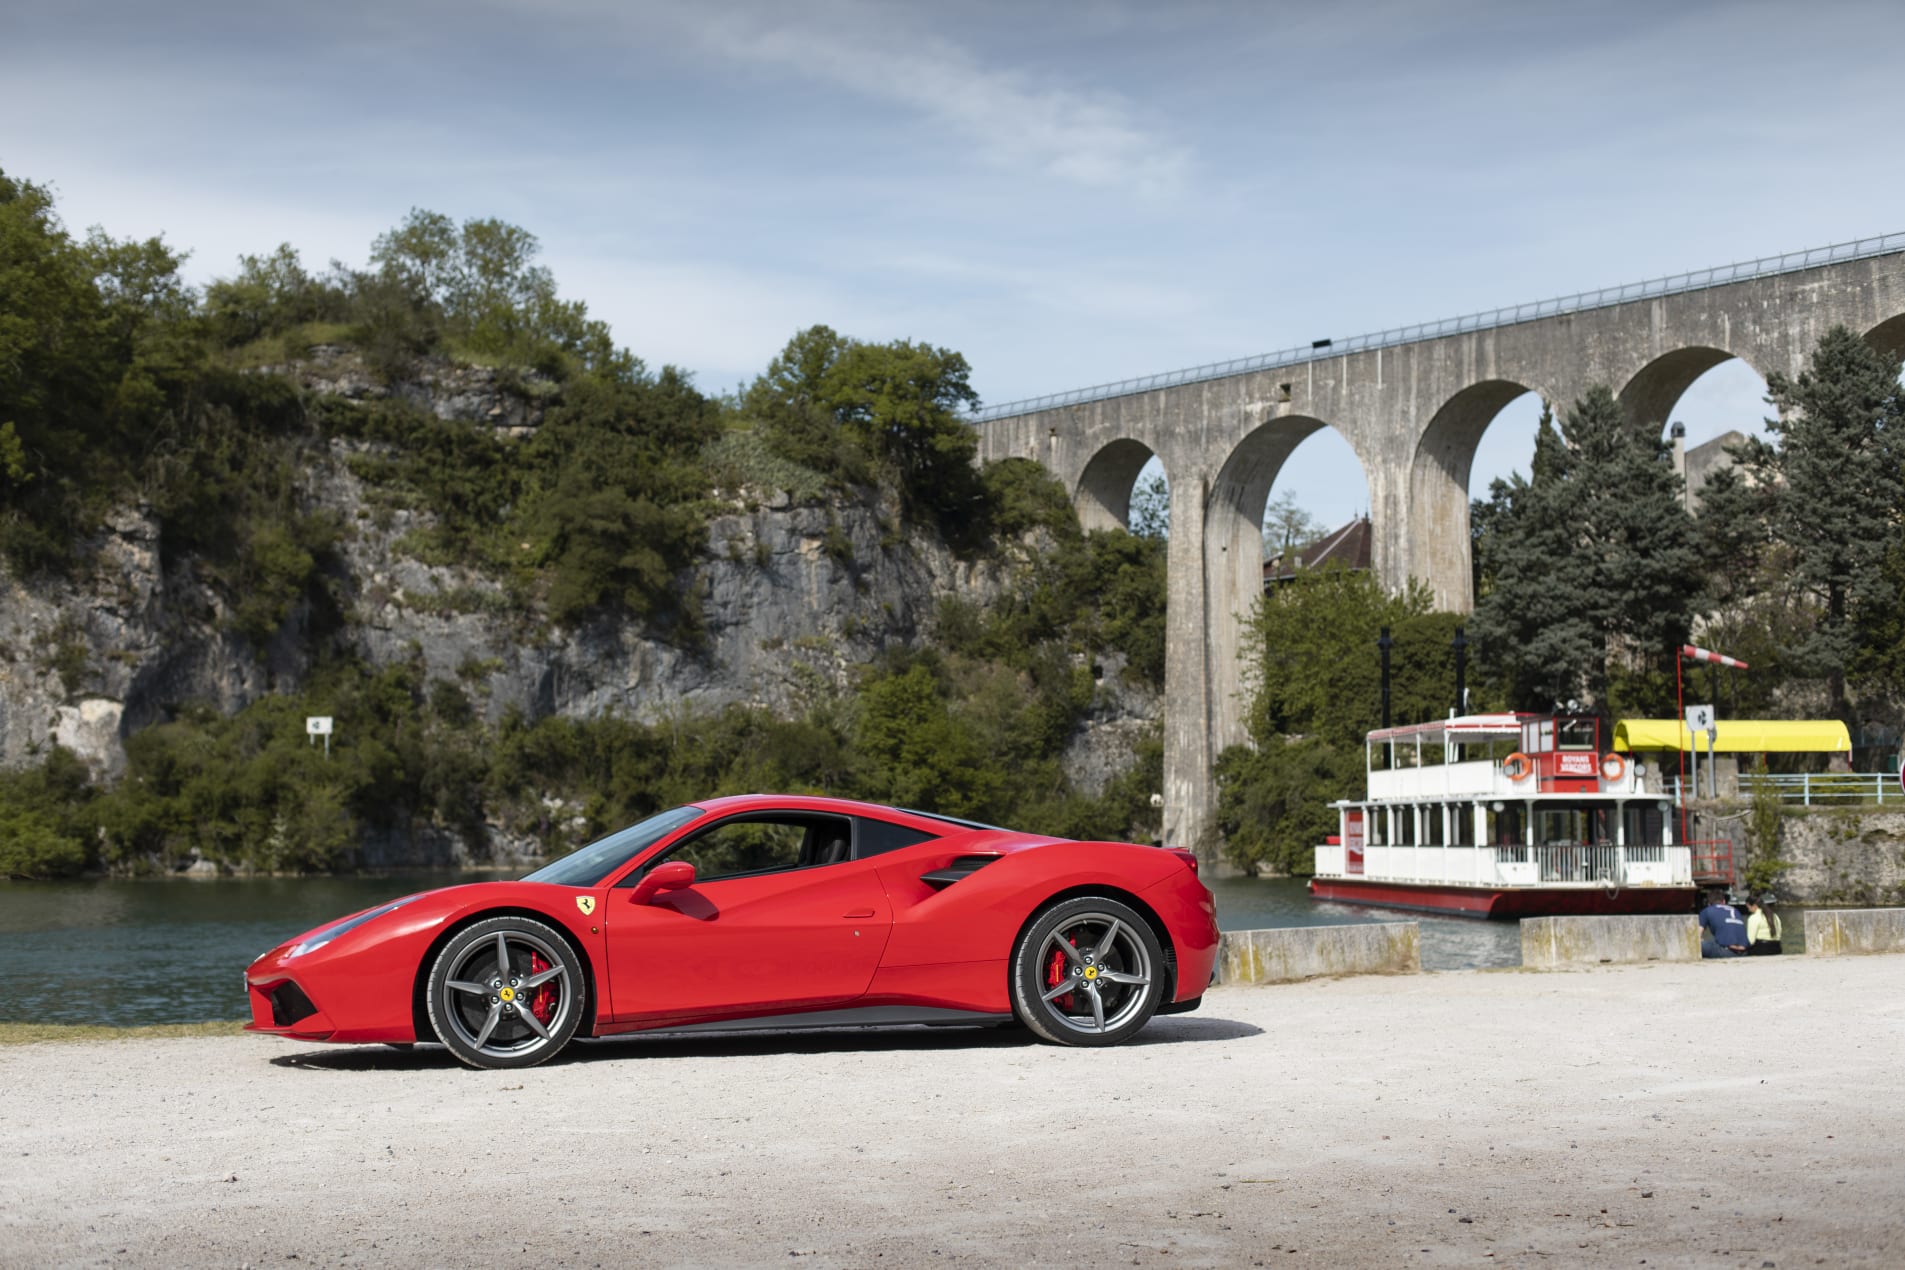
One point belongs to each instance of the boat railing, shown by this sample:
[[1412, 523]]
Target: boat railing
[[1713, 861], [1543, 864], [1473, 778]]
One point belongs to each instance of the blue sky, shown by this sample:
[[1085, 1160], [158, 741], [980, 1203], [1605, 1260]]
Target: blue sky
[[1067, 194]]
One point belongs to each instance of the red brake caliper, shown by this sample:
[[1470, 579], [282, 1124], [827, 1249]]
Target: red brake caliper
[[543, 1003], [1057, 971]]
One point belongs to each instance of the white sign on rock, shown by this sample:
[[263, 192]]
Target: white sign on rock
[[317, 724]]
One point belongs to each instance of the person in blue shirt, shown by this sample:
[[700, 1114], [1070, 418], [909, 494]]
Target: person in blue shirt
[[1722, 929]]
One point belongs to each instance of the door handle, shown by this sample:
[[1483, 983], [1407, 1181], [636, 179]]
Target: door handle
[[859, 912]]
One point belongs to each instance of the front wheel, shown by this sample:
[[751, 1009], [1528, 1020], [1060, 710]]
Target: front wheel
[[505, 992], [1087, 971]]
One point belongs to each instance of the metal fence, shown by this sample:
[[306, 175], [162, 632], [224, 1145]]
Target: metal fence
[[1828, 789], [1699, 280]]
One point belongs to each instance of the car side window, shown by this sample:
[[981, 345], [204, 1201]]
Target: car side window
[[876, 837], [765, 844]]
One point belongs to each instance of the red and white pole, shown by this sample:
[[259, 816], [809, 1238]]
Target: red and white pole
[[1695, 653]]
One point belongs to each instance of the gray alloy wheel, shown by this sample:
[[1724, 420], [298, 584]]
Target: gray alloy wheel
[[1087, 971], [505, 992]]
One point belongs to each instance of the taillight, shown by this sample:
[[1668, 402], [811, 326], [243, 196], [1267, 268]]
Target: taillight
[[1188, 857]]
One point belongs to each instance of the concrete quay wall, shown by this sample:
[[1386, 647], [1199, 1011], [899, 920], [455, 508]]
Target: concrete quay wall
[[1850, 932], [1549, 943], [1289, 954]]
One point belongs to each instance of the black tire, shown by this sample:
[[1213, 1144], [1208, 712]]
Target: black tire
[[493, 1005], [1087, 971]]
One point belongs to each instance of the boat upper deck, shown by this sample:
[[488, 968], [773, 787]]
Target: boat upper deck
[[1496, 756]]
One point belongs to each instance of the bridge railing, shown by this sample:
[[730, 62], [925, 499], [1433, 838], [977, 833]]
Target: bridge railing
[[1606, 297]]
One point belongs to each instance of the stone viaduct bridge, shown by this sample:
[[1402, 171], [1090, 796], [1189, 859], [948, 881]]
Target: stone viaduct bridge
[[1413, 404]]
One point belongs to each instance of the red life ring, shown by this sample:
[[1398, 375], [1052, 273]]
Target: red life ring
[[1518, 766], [1613, 766]]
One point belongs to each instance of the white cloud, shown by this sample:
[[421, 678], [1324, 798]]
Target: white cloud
[[1089, 138]]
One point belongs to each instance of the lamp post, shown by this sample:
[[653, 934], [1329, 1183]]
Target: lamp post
[[1461, 671], [1384, 642]]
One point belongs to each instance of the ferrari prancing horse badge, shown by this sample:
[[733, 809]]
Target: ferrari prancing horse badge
[[586, 903]]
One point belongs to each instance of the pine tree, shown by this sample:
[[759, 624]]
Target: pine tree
[[1592, 555], [1529, 624], [1835, 467]]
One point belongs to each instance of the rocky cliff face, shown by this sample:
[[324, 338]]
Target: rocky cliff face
[[1850, 856], [793, 598]]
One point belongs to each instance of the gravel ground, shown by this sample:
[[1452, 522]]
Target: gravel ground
[[1741, 1113]]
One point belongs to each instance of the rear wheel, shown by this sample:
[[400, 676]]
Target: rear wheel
[[505, 992], [1087, 971]]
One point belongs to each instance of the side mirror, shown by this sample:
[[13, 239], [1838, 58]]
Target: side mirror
[[671, 876]]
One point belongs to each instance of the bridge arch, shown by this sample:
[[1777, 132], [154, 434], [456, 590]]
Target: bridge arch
[[1888, 337], [1103, 492], [1650, 395], [1435, 539], [1233, 557]]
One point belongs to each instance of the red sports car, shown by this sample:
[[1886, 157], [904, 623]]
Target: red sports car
[[761, 911]]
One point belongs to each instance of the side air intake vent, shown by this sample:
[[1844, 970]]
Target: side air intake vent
[[959, 870]]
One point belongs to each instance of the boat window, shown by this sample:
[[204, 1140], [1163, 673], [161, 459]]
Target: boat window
[[1645, 824], [1406, 826], [1462, 832], [1436, 833], [1504, 825], [1560, 826], [1576, 825], [1576, 734]]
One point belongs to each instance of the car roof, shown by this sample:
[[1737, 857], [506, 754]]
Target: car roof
[[732, 803]]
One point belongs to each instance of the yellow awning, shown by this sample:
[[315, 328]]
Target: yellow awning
[[1738, 736]]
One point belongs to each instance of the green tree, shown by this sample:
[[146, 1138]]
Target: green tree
[[1315, 668], [1834, 469], [269, 295], [1763, 866], [98, 344], [1749, 599], [915, 754], [1150, 514], [851, 408], [792, 402], [1273, 801], [1287, 526], [481, 283], [45, 818], [1593, 557], [1316, 691]]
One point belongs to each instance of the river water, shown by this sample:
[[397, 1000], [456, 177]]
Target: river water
[[134, 952]]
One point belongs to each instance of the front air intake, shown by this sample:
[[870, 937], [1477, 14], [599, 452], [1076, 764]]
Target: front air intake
[[289, 1004]]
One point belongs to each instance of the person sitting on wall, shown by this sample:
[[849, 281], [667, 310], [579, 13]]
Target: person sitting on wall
[[1722, 929], [1762, 928]]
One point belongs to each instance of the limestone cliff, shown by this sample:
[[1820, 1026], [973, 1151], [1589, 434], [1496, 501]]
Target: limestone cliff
[[792, 597]]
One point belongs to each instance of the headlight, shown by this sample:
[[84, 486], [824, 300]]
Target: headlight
[[329, 933]]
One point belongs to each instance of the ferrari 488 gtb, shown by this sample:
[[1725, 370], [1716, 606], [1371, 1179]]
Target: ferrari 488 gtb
[[761, 911]]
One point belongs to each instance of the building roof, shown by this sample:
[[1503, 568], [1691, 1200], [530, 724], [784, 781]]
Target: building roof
[[1346, 548]]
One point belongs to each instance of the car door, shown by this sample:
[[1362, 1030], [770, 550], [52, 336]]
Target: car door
[[779, 919]]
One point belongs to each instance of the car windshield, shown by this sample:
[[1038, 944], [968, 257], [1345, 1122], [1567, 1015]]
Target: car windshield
[[588, 865]]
